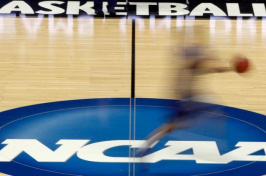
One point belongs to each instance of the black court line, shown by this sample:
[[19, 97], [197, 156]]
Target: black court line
[[132, 119], [133, 61]]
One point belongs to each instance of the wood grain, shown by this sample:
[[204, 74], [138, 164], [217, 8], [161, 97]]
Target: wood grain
[[46, 59], [157, 65]]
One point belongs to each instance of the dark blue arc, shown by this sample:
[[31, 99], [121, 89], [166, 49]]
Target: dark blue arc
[[108, 119]]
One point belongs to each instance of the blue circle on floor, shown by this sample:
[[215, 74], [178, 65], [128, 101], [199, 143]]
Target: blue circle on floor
[[97, 137]]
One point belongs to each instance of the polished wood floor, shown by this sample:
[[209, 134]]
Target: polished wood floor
[[44, 60], [54, 59], [156, 65]]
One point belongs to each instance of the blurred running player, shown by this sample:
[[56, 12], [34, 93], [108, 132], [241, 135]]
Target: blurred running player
[[196, 59]]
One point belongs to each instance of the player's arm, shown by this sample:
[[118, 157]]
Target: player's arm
[[208, 66], [223, 69], [210, 70]]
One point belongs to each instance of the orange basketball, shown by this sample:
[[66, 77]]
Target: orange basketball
[[242, 64]]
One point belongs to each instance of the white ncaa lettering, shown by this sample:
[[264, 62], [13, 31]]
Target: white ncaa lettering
[[38, 151], [95, 152], [205, 152], [243, 153]]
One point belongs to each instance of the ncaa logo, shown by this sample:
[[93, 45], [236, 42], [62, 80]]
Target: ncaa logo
[[99, 137]]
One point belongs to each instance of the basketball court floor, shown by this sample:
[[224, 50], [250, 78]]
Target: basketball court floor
[[46, 59]]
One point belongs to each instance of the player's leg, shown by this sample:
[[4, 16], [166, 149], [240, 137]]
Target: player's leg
[[155, 136]]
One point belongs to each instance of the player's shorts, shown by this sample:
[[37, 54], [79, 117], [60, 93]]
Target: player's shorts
[[192, 106]]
